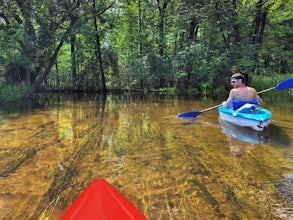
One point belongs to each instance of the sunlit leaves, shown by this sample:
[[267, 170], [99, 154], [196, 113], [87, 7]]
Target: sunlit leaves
[[206, 37], [281, 11]]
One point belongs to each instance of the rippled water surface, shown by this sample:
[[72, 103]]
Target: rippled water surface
[[169, 168]]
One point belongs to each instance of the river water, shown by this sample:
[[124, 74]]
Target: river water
[[52, 148]]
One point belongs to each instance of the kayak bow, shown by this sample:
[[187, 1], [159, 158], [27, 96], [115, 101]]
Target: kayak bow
[[100, 200]]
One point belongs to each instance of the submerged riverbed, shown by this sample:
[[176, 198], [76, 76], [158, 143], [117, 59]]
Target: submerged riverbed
[[169, 168]]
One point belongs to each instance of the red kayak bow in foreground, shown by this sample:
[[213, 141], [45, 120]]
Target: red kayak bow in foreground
[[100, 200]]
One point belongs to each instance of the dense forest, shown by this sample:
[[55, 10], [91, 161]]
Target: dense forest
[[141, 44]]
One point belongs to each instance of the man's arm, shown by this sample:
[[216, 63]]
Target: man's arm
[[227, 103], [257, 97]]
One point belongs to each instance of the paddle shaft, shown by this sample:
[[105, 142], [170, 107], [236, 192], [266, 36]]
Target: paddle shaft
[[266, 90], [207, 109]]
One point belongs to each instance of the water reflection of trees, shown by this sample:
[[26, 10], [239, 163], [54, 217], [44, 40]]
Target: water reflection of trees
[[167, 169]]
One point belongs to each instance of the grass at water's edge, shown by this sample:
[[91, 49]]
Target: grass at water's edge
[[16, 92]]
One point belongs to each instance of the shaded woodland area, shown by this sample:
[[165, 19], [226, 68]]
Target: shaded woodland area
[[141, 45]]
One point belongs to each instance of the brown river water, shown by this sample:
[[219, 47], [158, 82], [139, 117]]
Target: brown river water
[[168, 168]]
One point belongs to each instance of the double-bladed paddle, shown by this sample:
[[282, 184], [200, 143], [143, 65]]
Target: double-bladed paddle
[[286, 84]]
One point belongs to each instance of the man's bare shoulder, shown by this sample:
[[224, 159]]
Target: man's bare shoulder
[[251, 89]]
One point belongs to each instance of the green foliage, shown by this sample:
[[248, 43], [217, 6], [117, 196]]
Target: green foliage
[[174, 91], [220, 92], [8, 93], [203, 42], [158, 66], [205, 86], [265, 82], [168, 91]]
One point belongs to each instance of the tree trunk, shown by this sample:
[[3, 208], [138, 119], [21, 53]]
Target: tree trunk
[[237, 38], [193, 29], [38, 82], [98, 49], [259, 23], [38, 51], [162, 6], [140, 42], [259, 27], [262, 28], [28, 45], [226, 39], [73, 61], [57, 75], [140, 29]]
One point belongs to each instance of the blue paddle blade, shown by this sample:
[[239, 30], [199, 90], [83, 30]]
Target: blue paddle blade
[[287, 84], [187, 115]]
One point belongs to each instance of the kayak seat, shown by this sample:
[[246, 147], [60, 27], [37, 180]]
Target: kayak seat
[[237, 104], [247, 108]]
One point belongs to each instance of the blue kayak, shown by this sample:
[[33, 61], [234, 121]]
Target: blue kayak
[[247, 116]]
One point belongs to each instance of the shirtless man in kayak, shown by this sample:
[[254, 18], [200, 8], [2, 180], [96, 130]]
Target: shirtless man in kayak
[[240, 91]]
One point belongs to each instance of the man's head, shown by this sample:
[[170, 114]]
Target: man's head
[[237, 79], [238, 76]]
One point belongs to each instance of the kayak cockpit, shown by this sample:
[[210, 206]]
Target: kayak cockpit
[[248, 115]]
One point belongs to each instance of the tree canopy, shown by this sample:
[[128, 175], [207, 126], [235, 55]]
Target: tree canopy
[[135, 44]]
